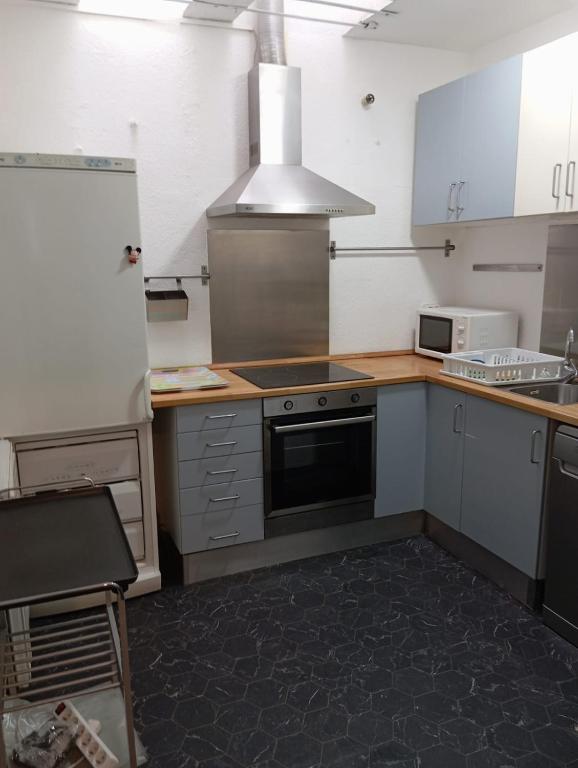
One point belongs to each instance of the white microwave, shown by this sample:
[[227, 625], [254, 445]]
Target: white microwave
[[445, 330]]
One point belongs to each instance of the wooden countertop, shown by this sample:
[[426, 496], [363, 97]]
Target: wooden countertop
[[386, 369]]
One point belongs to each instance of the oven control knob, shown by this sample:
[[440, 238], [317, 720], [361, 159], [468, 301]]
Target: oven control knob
[[322, 401], [355, 398], [288, 405]]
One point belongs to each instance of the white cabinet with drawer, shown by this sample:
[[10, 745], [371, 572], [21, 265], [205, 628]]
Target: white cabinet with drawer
[[113, 459], [65, 461], [127, 497], [209, 473], [135, 535]]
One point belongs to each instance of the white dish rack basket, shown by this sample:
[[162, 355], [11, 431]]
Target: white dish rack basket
[[496, 367]]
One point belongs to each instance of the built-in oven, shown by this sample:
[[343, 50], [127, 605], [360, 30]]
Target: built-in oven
[[319, 453]]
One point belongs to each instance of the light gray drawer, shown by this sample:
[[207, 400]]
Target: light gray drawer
[[223, 469], [211, 498], [221, 529], [219, 442], [236, 413]]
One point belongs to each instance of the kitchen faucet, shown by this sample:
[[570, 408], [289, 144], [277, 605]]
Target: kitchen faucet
[[569, 364]]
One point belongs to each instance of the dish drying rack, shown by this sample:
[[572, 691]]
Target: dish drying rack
[[498, 367]]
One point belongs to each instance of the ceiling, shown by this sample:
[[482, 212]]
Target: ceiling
[[461, 25]]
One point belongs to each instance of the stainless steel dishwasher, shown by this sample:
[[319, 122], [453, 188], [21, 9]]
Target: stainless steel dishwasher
[[561, 594]]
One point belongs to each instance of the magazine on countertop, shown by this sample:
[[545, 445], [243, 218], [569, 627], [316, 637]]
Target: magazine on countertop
[[185, 379]]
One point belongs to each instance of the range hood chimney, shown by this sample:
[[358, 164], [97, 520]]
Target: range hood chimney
[[277, 184]]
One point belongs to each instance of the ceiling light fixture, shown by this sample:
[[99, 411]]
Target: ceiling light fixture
[[371, 6], [370, 24], [155, 10]]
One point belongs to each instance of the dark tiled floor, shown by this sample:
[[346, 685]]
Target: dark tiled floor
[[390, 655]]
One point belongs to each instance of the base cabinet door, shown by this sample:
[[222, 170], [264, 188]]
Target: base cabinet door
[[444, 454], [400, 457], [503, 478]]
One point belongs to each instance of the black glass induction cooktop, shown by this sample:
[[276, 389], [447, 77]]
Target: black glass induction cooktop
[[298, 375]]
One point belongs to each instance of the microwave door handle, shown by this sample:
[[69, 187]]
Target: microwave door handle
[[323, 424]]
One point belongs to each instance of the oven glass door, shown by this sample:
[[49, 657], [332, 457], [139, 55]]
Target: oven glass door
[[435, 333], [315, 461]]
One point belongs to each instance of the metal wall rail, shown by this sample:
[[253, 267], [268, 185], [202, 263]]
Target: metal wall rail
[[508, 267], [447, 248], [204, 277]]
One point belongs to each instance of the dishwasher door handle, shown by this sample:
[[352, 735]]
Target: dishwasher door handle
[[323, 424], [566, 469]]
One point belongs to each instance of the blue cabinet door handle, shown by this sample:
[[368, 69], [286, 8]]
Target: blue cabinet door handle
[[533, 459]]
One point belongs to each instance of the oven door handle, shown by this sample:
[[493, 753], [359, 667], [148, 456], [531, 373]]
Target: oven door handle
[[323, 424]]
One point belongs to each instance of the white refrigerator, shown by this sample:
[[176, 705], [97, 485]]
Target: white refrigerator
[[74, 371]]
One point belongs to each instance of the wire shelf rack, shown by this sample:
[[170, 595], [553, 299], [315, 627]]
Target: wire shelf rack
[[59, 661]]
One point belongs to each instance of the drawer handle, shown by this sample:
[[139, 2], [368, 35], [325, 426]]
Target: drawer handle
[[226, 498], [224, 416], [225, 536], [221, 471], [221, 445]]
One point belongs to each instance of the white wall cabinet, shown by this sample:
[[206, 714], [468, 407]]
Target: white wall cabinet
[[570, 189], [545, 178]]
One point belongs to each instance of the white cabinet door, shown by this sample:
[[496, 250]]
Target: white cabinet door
[[545, 116], [569, 179]]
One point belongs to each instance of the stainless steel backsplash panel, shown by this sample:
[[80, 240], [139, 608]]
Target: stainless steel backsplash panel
[[560, 306], [269, 293]]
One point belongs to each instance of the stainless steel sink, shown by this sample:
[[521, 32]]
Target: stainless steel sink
[[563, 394]]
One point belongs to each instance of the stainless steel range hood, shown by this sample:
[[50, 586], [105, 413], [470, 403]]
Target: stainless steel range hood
[[276, 182]]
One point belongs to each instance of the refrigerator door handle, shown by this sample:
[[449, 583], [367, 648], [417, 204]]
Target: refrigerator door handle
[[147, 396]]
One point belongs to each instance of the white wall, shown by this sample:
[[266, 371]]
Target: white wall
[[506, 242], [538, 34], [174, 97]]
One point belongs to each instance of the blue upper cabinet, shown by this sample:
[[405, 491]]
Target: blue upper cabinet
[[437, 153], [467, 145], [490, 141]]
